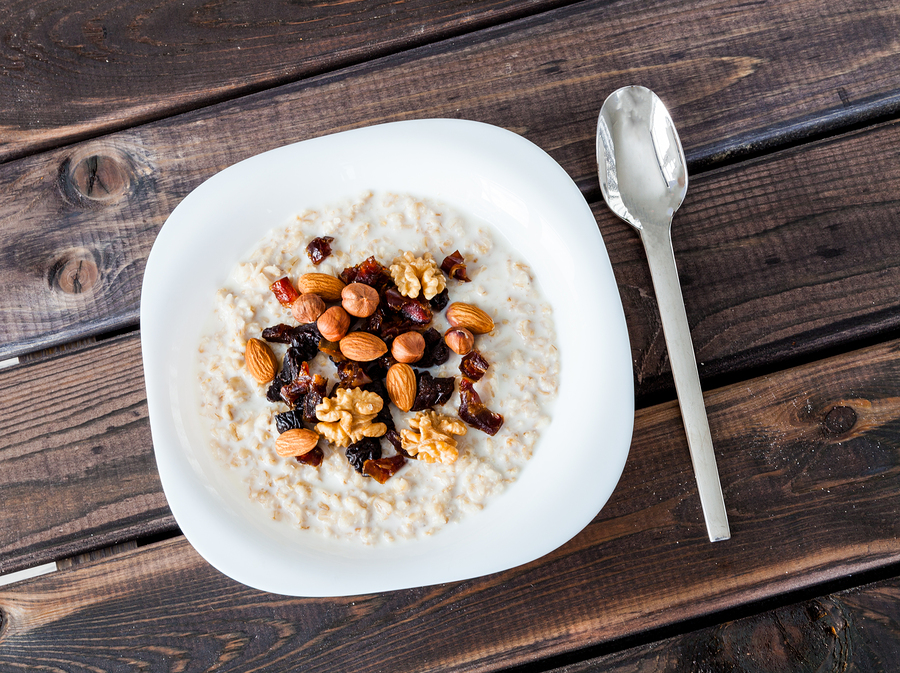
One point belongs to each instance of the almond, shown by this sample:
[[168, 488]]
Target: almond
[[401, 385], [260, 360], [470, 317], [362, 346], [326, 286], [296, 442]]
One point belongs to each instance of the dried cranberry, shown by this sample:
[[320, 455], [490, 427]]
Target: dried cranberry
[[284, 291], [313, 458], [473, 411], [431, 391], [436, 351], [455, 267], [382, 469], [368, 448], [473, 365], [289, 420], [319, 249]]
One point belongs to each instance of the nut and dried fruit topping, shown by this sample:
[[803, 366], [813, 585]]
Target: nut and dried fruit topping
[[362, 346], [347, 417], [401, 385], [326, 286], [296, 442], [307, 308], [471, 317], [260, 361], [460, 340], [414, 274], [359, 299], [408, 347], [434, 442], [333, 323]]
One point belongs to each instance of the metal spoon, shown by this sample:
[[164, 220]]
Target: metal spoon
[[644, 179]]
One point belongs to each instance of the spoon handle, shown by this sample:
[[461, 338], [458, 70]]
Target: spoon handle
[[661, 259]]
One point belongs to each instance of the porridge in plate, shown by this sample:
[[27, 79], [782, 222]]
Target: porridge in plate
[[377, 369]]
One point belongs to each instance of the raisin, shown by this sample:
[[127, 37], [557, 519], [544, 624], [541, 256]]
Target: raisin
[[439, 301], [306, 339], [455, 267], [368, 448], [284, 291], [431, 391], [473, 412], [319, 249], [313, 458], [473, 365], [278, 334], [382, 469], [289, 420], [436, 350], [394, 438]]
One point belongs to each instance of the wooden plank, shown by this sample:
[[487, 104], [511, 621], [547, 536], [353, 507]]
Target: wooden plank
[[72, 73], [79, 222], [810, 466], [854, 630], [76, 461]]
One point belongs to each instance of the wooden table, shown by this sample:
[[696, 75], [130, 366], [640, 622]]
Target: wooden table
[[788, 247]]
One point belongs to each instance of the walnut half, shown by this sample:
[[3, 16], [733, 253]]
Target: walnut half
[[434, 442], [347, 417], [413, 274]]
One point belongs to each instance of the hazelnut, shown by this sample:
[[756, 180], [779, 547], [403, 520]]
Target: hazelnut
[[307, 308], [333, 323], [459, 340], [359, 299], [408, 347]]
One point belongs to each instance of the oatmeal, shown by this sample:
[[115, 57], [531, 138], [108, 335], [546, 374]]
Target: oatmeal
[[442, 439]]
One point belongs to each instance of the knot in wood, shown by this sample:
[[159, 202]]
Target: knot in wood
[[75, 272], [840, 420], [100, 177]]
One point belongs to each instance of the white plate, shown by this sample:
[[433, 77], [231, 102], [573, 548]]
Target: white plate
[[474, 168]]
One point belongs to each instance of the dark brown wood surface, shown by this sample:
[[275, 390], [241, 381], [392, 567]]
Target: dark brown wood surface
[[67, 71], [810, 463], [79, 221]]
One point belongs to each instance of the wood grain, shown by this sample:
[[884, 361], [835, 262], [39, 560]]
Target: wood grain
[[810, 465], [76, 460], [69, 72]]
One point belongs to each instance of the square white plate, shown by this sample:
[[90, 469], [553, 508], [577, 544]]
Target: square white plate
[[479, 170]]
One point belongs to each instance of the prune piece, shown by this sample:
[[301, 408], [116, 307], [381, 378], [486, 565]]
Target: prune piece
[[409, 308], [273, 392], [473, 365], [368, 448], [436, 351], [319, 249], [313, 458], [289, 420], [382, 469], [455, 267], [284, 291], [431, 391], [394, 438], [290, 367], [387, 324], [306, 338], [472, 410], [314, 397], [370, 272], [439, 301], [278, 334], [292, 392], [377, 369], [352, 375]]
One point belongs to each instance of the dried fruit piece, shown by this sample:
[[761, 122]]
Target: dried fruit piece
[[431, 391], [440, 300], [284, 291], [307, 308], [473, 411], [362, 346], [401, 386], [347, 417], [289, 420], [366, 449], [417, 274], [459, 340], [436, 351], [319, 249], [333, 323], [352, 375], [455, 267], [408, 347], [260, 360], [326, 286], [296, 442], [369, 271], [278, 334], [382, 469], [473, 366], [410, 308], [434, 442], [471, 317], [359, 299], [313, 458]]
